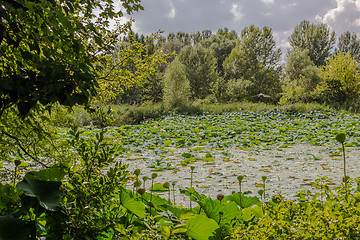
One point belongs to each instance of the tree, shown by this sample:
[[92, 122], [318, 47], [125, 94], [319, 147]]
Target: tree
[[54, 52], [206, 34], [200, 68], [196, 37], [129, 66], [49, 49], [340, 79], [349, 43], [301, 77], [255, 59], [318, 39], [222, 43], [176, 85]]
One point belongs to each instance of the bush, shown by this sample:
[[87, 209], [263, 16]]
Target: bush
[[341, 80]]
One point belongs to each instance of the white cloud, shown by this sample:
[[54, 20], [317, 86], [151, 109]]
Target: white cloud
[[343, 17], [357, 22], [268, 1], [172, 13], [236, 11]]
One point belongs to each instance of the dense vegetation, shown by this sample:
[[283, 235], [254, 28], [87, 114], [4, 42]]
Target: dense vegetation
[[227, 67], [61, 181], [87, 193]]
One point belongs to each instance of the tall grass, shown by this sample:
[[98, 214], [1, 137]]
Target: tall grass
[[134, 114]]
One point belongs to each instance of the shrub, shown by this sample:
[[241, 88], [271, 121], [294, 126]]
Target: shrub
[[341, 80]]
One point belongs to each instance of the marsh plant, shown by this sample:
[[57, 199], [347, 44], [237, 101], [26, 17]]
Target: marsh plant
[[192, 168], [173, 189], [88, 199], [341, 138], [263, 178], [240, 179]]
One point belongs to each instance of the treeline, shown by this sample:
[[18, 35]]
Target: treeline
[[226, 66]]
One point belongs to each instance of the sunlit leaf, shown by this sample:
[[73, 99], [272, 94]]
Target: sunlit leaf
[[134, 206], [201, 227]]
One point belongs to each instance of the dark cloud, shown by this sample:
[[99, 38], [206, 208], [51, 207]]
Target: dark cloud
[[281, 15]]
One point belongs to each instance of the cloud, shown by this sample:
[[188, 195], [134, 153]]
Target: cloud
[[236, 11], [172, 13], [268, 1], [280, 15], [345, 16], [186, 15]]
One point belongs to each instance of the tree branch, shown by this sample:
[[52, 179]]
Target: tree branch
[[24, 150]]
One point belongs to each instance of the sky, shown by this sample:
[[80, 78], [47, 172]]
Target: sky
[[280, 15]]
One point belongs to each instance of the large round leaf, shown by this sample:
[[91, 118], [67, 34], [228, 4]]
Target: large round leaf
[[228, 211], [128, 202], [46, 192], [201, 227]]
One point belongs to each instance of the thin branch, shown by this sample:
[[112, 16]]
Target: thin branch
[[24, 150], [110, 71]]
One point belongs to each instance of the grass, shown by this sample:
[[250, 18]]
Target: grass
[[135, 114]]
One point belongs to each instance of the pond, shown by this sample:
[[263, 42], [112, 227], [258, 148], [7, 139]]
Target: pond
[[291, 149]]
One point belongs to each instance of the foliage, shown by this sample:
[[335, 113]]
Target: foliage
[[129, 65], [341, 80], [221, 44], [325, 215], [40, 209], [317, 38], [238, 89], [255, 59], [301, 77], [200, 69], [54, 51], [97, 202], [349, 43], [9, 199], [26, 138], [49, 48], [135, 114], [176, 85]]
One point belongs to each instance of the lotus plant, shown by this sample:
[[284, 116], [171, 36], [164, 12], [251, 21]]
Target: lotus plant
[[341, 138]]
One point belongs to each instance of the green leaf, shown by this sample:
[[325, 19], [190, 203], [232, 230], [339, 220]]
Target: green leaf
[[55, 173], [166, 233], [158, 187], [209, 159], [201, 227], [247, 214], [167, 143], [212, 208], [46, 192], [13, 228], [156, 200], [194, 195], [245, 201], [179, 230], [250, 212], [258, 211], [187, 155], [136, 207]]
